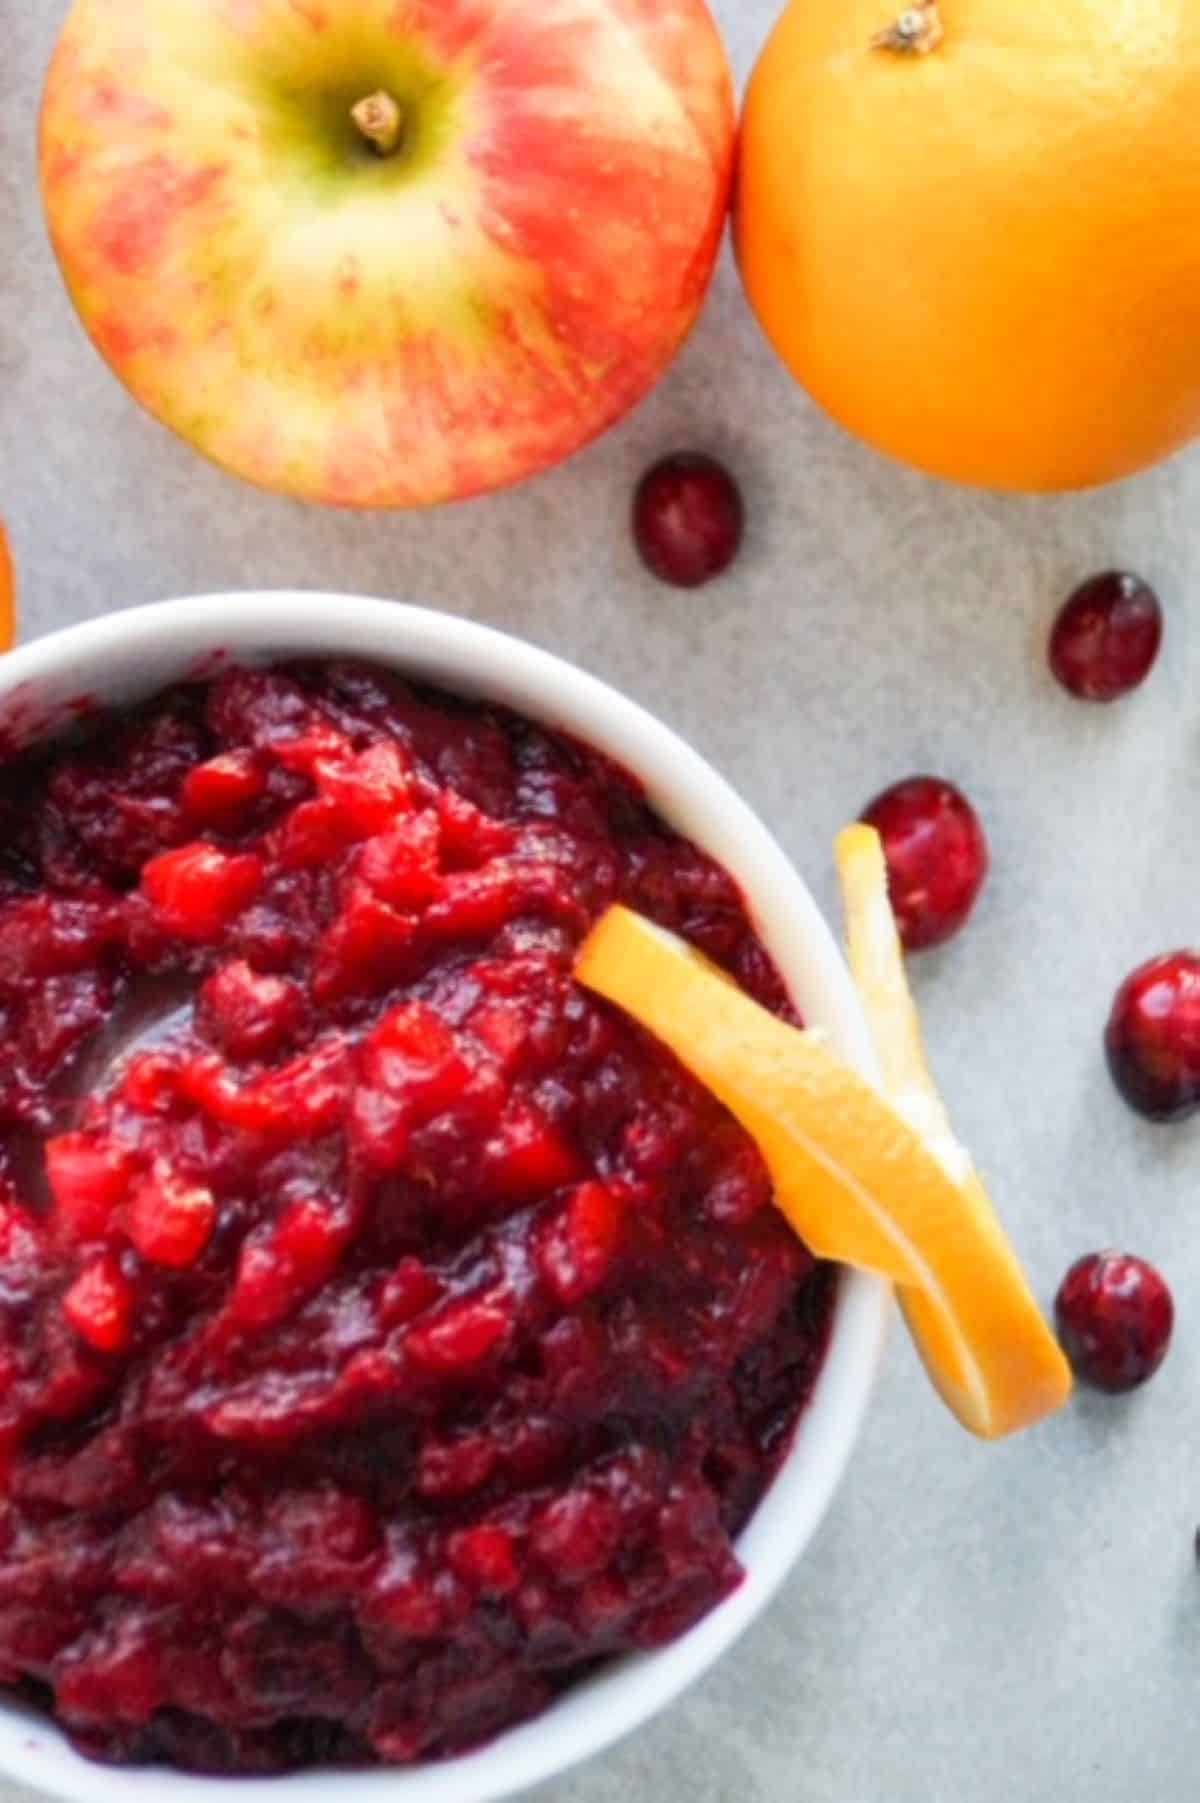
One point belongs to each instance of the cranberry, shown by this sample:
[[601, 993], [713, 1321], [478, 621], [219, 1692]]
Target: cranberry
[[249, 1015], [463, 1336], [937, 857], [401, 863], [410, 1607], [88, 1178], [1114, 1316], [1106, 637], [576, 1534], [219, 793], [688, 519], [313, 834], [282, 1265], [529, 1155], [301, 1100], [408, 1292], [453, 1468], [370, 788], [197, 891], [170, 1220], [368, 944], [485, 1556], [468, 837], [1153, 1037], [577, 1254], [100, 1306]]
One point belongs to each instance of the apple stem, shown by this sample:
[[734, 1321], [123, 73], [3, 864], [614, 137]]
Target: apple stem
[[916, 32], [380, 121]]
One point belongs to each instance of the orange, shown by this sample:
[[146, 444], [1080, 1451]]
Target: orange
[[855, 1179], [8, 594], [969, 228]]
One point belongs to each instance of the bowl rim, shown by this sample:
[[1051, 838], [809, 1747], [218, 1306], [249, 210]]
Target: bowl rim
[[136, 651]]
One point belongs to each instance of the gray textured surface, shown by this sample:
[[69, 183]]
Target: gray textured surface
[[1018, 1622]]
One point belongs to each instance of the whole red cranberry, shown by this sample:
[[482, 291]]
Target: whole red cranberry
[[1106, 637], [937, 857], [1153, 1037], [688, 519], [1114, 1315]]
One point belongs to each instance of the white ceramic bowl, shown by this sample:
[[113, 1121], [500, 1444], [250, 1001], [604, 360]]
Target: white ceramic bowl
[[128, 656]]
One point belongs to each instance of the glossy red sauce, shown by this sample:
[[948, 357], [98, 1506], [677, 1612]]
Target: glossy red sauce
[[395, 1331]]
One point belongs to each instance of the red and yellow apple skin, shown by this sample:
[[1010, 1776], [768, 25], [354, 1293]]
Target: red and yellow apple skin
[[383, 331]]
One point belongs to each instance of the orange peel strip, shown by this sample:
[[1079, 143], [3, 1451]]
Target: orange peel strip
[[1030, 1377], [852, 1175]]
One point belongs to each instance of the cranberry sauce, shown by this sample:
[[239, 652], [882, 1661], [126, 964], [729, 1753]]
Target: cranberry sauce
[[389, 1329]]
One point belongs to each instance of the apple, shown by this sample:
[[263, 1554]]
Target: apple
[[383, 253]]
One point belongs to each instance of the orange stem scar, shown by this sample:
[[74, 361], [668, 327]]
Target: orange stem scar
[[916, 32]]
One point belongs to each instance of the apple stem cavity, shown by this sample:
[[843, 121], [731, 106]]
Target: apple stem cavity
[[916, 32], [380, 121]]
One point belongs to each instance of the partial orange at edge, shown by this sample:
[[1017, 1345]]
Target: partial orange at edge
[[8, 593], [857, 1181]]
